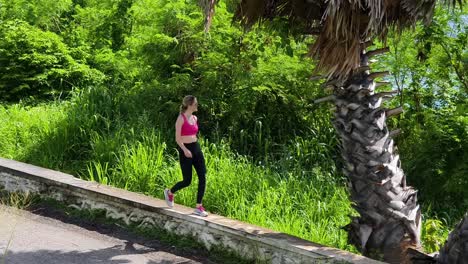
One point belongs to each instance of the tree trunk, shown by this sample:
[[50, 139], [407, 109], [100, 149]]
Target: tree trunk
[[455, 250], [390, 217]]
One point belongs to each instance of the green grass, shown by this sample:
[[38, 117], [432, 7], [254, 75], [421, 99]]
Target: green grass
[[23, 128], [300, 194], [308, 206], [17, 200]]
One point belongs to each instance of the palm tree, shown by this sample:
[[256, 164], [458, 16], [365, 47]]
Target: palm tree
[[390, 217], [455, 250]]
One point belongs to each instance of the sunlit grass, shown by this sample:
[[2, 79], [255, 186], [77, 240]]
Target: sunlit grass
[[300, 193]]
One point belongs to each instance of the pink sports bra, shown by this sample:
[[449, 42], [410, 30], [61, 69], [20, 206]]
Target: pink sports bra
[[187, 128]]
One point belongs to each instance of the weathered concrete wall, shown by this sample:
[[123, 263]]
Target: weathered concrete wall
[[249, 241]]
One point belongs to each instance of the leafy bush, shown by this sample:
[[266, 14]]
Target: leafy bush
[[36, 63]]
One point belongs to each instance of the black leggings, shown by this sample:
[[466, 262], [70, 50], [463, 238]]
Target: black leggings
[[198, 161]]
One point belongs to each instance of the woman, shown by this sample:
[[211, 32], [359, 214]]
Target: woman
[[189, 154]]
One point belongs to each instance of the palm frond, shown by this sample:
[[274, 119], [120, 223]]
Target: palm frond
[[342, 25]]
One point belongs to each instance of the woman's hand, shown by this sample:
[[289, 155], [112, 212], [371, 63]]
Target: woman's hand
[[187, 153]]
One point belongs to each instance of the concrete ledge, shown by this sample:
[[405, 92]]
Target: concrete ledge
[[249, 241]]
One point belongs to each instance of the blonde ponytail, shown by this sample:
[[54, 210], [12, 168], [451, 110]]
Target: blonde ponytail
[[188, 100]]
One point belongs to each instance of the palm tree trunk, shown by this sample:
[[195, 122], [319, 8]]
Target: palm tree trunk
[[455, 250], [390, 217]]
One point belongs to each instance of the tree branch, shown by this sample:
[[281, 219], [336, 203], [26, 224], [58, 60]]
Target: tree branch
[[325, 99], [394, 111], [459, 75], [378, 84], [372, 53], [363, 69], [376, 75], [367, 44], [394, 133], [382, 94]]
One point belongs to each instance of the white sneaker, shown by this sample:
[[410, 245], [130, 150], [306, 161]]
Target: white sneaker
[[169, 198], [200, 211]]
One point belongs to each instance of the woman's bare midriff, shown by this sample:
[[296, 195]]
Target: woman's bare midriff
[[189, 139]]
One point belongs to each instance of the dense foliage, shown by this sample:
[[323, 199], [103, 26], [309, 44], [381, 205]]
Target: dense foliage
[[93, 87]]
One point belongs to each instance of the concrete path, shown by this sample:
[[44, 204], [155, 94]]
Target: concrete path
[[29, 238]]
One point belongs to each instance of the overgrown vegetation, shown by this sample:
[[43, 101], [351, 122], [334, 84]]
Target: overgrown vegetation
[[92, 88]]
